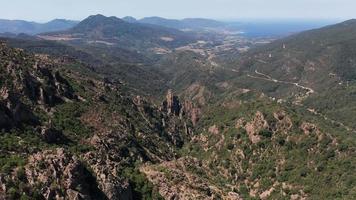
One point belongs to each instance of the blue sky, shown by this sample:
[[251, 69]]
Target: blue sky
[[43, 10]]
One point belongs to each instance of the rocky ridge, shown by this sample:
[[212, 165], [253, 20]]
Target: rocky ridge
[[119, 131]]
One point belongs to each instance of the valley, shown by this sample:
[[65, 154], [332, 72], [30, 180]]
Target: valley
[[153, 108]]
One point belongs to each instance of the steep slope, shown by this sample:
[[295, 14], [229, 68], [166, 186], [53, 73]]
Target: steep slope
[[250, 147], [307, 67], [316, 58], [72, 135]]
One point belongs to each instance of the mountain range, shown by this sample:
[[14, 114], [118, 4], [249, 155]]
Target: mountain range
[[184, 24], [32, 28]]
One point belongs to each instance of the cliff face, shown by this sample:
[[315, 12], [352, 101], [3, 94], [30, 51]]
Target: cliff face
[[27, 82], [187, 109], [61, 176]]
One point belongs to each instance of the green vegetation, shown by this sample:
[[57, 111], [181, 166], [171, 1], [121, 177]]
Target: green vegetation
[[307, 163], [142, 188]]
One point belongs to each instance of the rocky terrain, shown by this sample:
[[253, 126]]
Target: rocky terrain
[[77, 152], [77, 122], [260, 151]]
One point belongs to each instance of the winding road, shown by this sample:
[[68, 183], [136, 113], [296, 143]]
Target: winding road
[[309, 90], [269, 78]]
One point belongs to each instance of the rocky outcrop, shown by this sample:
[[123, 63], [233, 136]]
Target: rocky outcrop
[[106, 172], [214, 130], [308, 128], [284, 123], [254, 127], [61, 176], [175, 182], [34, 78], [27, 83], [192, 112], [13, 112], [47, 87], [172, 106]]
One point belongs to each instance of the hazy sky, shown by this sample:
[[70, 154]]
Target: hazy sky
[[43, 10]]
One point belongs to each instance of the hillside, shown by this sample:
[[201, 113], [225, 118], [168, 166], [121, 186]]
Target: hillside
[[306, 68], [258, 149], [78, 135], [47, 114]]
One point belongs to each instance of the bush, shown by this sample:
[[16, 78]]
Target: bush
[[265, 133]]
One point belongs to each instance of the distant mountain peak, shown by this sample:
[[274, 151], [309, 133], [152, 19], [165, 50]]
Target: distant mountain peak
[[95, 21], [129, 19]]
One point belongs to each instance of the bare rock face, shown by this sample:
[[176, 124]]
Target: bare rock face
[[180, 184], [113, 186], [61, 176], [47, 87], [2, 188], [214, 130], [195, 115], [284, 123], [191, 112], [175, 181], [13, 111], [34, 78], [255, 126], [308, 128], [28, 82], [172, 105]]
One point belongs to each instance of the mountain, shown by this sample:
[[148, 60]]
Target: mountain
[[58, 25], [315, 68], [184, 24], [112, 31], [21, 26], [123, 49], [129, 19]]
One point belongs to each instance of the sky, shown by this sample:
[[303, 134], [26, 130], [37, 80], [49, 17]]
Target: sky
[[45, 10]]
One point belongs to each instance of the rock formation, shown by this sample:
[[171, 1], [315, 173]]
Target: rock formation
[[61, 175], [187, 109], [255, 126], [172, 104]]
